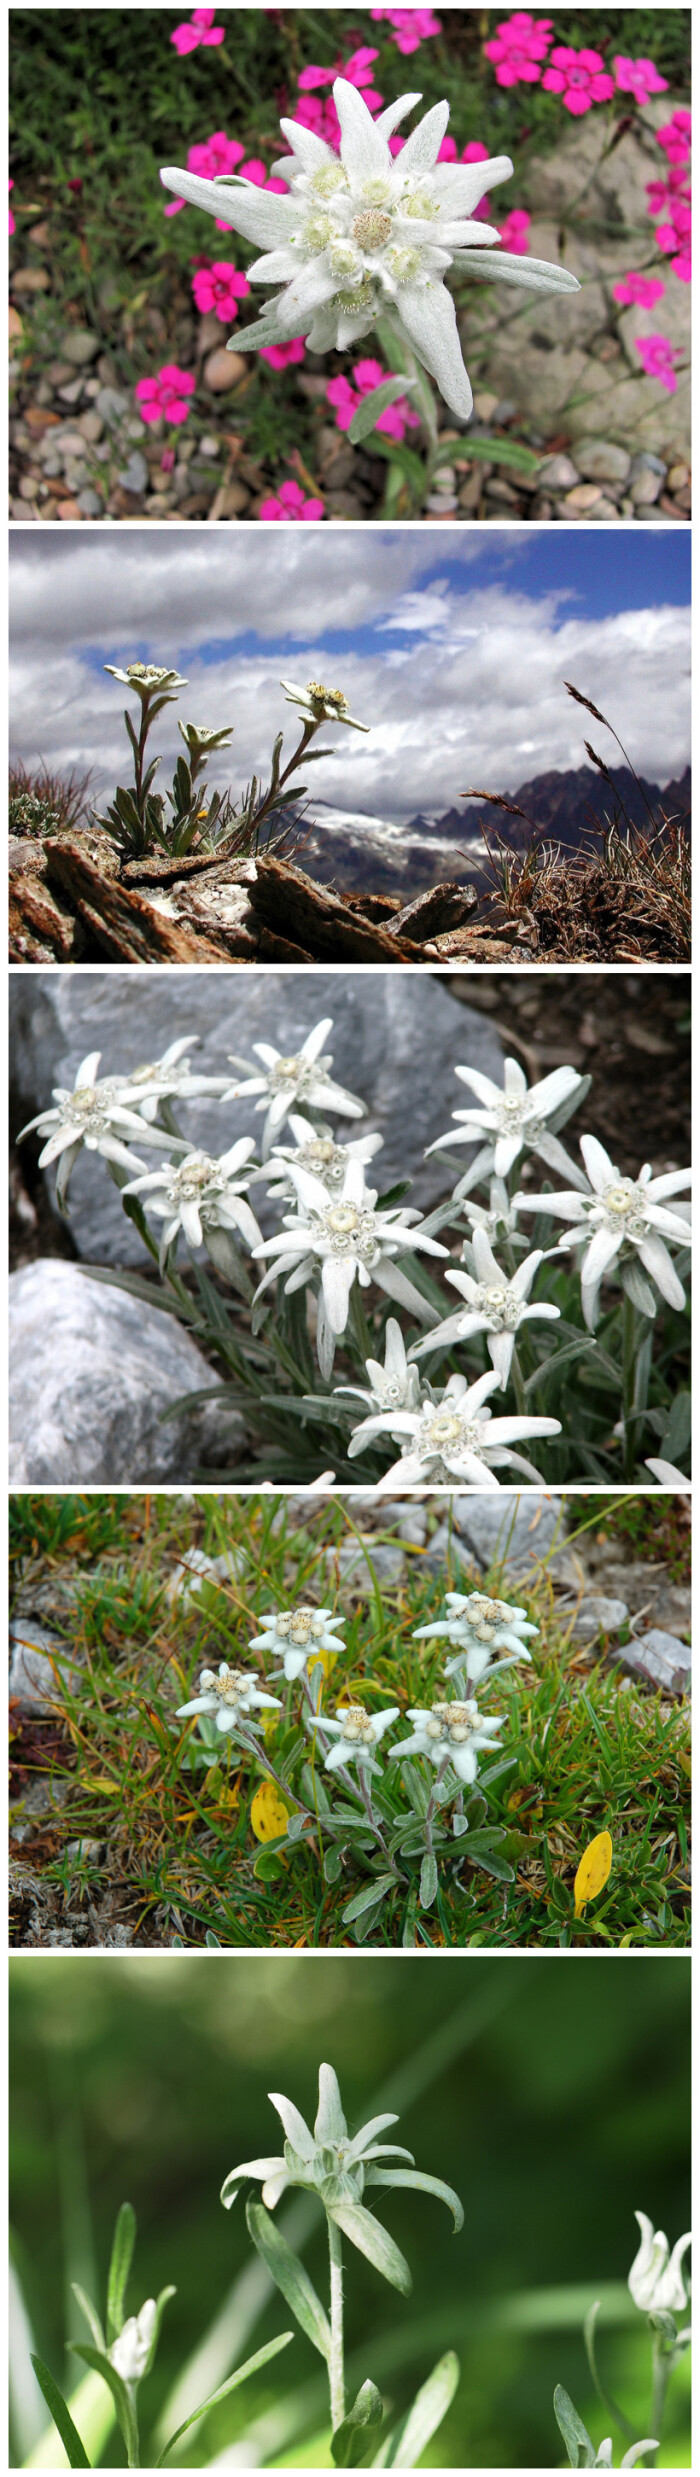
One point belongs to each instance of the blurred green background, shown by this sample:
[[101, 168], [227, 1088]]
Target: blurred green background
[[554, 2093]]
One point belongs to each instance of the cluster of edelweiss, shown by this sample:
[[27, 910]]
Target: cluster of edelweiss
[[336, 1234]]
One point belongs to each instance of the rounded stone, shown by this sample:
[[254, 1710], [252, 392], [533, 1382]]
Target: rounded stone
[[222, 370], [558, 473], [79, 346], [583, 498], [599, 460], [91, 1371]]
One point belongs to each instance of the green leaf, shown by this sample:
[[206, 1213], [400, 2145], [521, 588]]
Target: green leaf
[[403, 457], [372, 1892], [101, 2364], [119, 2268], [162, 2300], [373, 2240], [489, 1860], [368, 412], [289, 2275], [91, 2316], [573, 2433], [252, 2366], [404, 2446], [70, 2438], [428, 1880], [497, 451], [391, 2176], [332, 1866], [367, 2411]]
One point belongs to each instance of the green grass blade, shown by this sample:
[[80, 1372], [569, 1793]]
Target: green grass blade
[[120, 2265], [289, 2275], [242, 2373], [70, 2438]]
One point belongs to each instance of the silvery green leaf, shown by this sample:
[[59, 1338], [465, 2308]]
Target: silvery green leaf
[[367, 1899], [423, 2184], [295, 1827], [637, 1288], [573, 2432], [330, 2125], [415, 1788], [428, 1880], [460, 1825], [665, 2324], [70, 2438], [373, 405], [332, 1866], [92, 2318], [100, 2364], [119, 2268], [374, 2241], [482, 1854], [290, 2276], [407, 2442], [367, 2411], [242, 2373], [161, 2301]]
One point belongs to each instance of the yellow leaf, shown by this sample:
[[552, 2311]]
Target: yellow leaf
[[321, 1660], [268, 1813], [685, 1763], [593, 1871]]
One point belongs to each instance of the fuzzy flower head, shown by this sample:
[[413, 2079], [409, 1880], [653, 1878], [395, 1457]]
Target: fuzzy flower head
[[315, 1150], [200, 1194], [492, 1305], [292, 1634], [623, 1221], [453, 1733], [303, 1078], [657, 2282], [453, 1437], [516, 1118], [98, 1116], [365, 235], [349, 1240], [357, 1734], [229, 1696], [318, 704], [148, 678], [395, 1386], [338, 2167], [131, 2352], [477, 1629]]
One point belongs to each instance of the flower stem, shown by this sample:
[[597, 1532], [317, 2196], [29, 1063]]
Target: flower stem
[[518, 1383], [336, 2367], [629, 1333], [662, 2361], [430, 1811]]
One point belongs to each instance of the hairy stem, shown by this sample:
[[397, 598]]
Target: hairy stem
[[371, 1817], [336, 2368], [430, 1812]]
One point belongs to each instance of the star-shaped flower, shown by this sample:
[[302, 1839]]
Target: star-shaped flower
[[292, 1634], [304, 1077], [516, 1117], [95, 1115], [477, 1629], [620, 1220], [337, 2167], [229, 1696], [200, 1195], [348, 1240], [453, 1437], [494, 1305], [395, 1386], [315, 1149], [450, 1732], [318, 704], [357, 1732], [656, 2281]]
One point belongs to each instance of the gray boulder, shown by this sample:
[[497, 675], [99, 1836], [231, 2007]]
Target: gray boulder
[[662, 1658], [396, 1039], [91, 1369], [38, 1663]]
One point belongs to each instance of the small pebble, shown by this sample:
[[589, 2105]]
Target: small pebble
[[78, 346], [677, 478], [134, 475], [90, 427], [72, 393], [583, 498], [89, 503], [209, 446], [558, 473], [222, 370], [599, 460], [69, 511], [645, 489]]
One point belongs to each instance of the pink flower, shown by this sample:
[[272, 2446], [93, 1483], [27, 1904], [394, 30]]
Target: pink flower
[[163, 398], [682, 266], [668, 193], [518, 48], [322, 117], [658, 357], [200, 29], [290, 506], [579, 77], [280, 356], [410, 26], [167, 460], [515, 230], [219, 287], [12, 225], [639, 78], [674, 137], [368, 374], [644, 289]]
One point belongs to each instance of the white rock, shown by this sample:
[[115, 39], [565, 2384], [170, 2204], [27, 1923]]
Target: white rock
[[38, 1662], [661, 1657], [599, 1615], [90, 1371]]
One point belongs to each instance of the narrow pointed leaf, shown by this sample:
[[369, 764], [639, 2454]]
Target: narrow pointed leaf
[[161, 2302], [127, 2422], [428, 1880], [242, 2373], [330, 2123], [373, 2240], [92, 2318], [119, 2268], [410, 2438], [70, 2438], [373, 405], [573, 2432], [289, 2275], [367, 2411], [424, 2184]]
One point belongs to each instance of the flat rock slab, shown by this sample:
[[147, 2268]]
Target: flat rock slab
[[599, 1615], [509, 1529], [38, 1662], [396, 1040], [91, 1369], [661, 1657]]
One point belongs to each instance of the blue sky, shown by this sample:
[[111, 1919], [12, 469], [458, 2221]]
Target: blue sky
[[453, 646]]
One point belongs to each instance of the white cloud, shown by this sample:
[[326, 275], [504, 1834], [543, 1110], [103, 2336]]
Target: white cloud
[[477, 697]]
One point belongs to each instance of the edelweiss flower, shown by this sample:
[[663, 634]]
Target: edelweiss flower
[[304, 1077], [501, 1220], [494, 1306], [358, 1735], [656, 2281], [196, 739], [171, 1078], [453, 1438], [478, 1627], [130, 2354], [368, 236], [147, 679], [201, 1196], [337, 2168], [94, 1115], [450, 1732], [291, 1634], [318, 704], [348, 1239], [517, 1117], [621, 1218], [229, 1695], [393, 1386], [317, 1152]]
